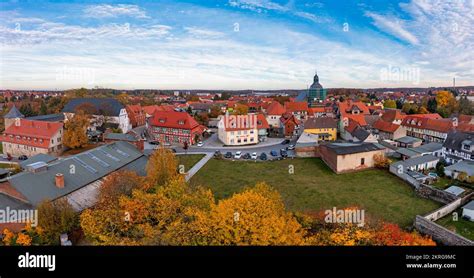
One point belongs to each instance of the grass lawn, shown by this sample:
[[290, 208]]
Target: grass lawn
[[188, 160], [314, 187], [443, 183], [461, 227]]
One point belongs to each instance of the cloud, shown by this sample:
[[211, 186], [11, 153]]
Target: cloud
[[49, 32], [107, 11], [200, 32], [392, 26], [260, 6]]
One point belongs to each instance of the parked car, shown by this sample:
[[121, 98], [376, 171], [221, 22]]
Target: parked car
[[154, 143], [283, 153], [200, 144], [22, 157], [291, 147], [173, 150], [286, 141], [217, 153], [246, 156], [228, 155], [238, 155], [263, 156], [254, 155], [274, 153]]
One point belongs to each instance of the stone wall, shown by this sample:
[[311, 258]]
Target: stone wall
[[440, 233], [430, 192]]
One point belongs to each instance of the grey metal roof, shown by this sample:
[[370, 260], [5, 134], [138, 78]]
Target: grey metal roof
[[87, 167], [12, 203], [407, 152], [456, 190], [417, 160], [408, 140], [462, 166], [103, 106], [349, 148], [36, 158], [120, 136], [360, 133], [469, 205], [48, 118], [138, 166], [13, 113], [428, 148]]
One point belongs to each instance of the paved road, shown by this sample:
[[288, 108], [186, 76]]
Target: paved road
[[198, 166]]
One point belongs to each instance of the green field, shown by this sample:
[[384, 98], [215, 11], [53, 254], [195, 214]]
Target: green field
[[188, 160], [314, 187], [461, 226]]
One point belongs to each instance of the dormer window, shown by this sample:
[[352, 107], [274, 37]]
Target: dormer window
[[162, 120], [181, 122]]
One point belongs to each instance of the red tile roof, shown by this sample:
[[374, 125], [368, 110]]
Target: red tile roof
[[386, 126], [441, 125], [429, 116], [391, 115], [40, 130], [275, 108], [173, 119], [296, 106]]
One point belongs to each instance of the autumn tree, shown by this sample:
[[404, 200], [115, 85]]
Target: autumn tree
[[16, 239], [389, 234], [117, 184], [446, 103], [164, 217], [390, 104], [54, 218], [241, 109], [256, 216], [75, 131], [381, 161], [161, 167]]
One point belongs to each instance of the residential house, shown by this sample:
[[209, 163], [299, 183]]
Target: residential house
[[289, 124], [346, 157], [27, 137], [238, 130], [136, 114], [173, 127], [458, 146], [463, 166], [389, 130], [408, 142], [298, 108], [415, 164], [427, 128], [273, 113], [325, 128], [108, 111]]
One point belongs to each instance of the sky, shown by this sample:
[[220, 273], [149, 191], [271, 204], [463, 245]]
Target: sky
[[235, 44]]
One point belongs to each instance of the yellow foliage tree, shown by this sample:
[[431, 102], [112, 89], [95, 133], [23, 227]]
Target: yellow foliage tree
[[444, 98], [161, 167], [75, 131], [257, 216]]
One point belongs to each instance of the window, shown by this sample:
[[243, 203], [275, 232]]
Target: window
[[362, 161]]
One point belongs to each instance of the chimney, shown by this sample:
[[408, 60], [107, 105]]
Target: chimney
[[59, 180]]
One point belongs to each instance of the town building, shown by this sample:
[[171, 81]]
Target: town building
[[315, 94], [27, 137], [325, 128], [136, 114], [458, 146], [389, 130], [108, 111], [289, 125], [238, 130], [173, 127], [273, 114], [298, 109], [75, 178], [347, 157], [463, 166], [426, 128]]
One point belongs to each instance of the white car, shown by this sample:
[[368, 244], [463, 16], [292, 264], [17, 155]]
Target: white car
[[254, 155], [238, 155], [200, 144]]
